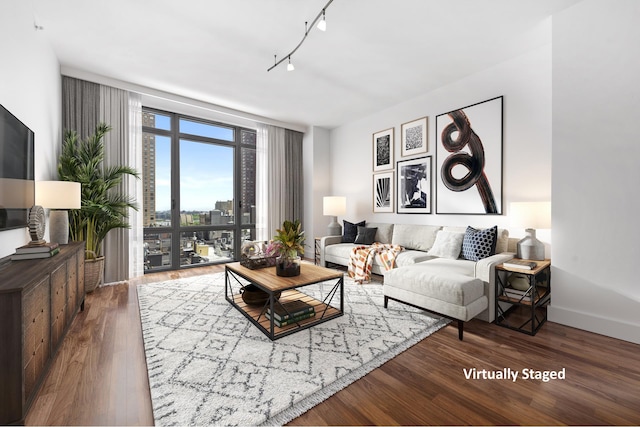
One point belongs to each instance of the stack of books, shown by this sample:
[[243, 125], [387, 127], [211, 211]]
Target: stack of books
[[520, 263], [46, 250], [296, 311]]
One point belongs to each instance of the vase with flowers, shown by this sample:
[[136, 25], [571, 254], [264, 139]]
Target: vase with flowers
[[287, 245]]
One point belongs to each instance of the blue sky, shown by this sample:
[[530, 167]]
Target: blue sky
[[206, 170]]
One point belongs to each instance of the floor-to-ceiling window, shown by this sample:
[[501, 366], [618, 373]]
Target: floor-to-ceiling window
[[199, 190]]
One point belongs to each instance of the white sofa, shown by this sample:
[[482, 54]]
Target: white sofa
[[456, 288]]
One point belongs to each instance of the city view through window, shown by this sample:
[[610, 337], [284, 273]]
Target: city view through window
[[193, 172]]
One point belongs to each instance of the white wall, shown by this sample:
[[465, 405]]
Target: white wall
[[596, 173], [525, 83], [31, 90]]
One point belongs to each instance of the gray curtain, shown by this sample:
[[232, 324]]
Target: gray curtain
[[80, 106], [86, 104], [120, 144], [278, 179]]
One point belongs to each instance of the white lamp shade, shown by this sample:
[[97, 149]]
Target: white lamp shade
[[58, 194], [334, 205], [536, 215]]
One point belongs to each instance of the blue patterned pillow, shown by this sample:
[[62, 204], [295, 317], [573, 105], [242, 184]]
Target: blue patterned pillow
[[479, 244]]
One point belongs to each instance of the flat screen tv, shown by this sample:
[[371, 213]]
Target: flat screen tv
[[17, 193]]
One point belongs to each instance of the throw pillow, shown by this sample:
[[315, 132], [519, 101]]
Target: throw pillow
[[366, 236], [479, 244], [447, 245], [350, 231]]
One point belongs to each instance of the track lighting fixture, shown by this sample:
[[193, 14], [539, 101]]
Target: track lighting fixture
[[321, 25]]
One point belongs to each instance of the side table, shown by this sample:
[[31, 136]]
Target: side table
[[316, 258], [518, 309]]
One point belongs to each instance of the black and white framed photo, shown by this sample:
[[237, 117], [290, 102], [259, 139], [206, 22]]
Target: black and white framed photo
[[469, 159], [383, 150], [414, 137], [414, 185], [383, 192]]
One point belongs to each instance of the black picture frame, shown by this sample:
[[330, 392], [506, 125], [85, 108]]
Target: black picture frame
[[414, 189], [469, 143]]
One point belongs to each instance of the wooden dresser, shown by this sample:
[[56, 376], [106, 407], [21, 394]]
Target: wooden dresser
[[38, 301]]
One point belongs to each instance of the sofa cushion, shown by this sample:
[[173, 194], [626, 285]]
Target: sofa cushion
[[366, 235], [447, 245], [502, 243], [350, 231], [421, 279], [384, 233], [419, 237], [410, 257], [479, 244]]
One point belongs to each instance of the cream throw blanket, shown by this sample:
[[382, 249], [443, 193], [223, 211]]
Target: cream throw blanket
[[361, 260]]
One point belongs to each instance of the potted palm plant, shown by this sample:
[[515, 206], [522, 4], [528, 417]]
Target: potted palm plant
[[104, 207], [289, 244]]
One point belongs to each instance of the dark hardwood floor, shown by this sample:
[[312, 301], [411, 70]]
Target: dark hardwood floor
[[99, 376]]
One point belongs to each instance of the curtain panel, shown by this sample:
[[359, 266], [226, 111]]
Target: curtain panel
[[86, 104], [279, 179]]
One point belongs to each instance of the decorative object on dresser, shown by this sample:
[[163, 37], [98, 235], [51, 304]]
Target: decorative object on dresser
[[469, 154], [37, 225], [38, 301], [58, 196], [414, 137], [533, 215], [334, 206]]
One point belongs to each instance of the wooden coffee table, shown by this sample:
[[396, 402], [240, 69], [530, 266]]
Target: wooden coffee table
[[291, 288]]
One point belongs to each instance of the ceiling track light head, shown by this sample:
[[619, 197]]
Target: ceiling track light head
[[321, 25]]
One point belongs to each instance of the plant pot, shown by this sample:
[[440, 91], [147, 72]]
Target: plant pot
[[93, 273], [252, 295], [288, 267]]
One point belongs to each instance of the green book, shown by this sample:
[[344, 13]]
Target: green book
[[293, 309], [292, 320]]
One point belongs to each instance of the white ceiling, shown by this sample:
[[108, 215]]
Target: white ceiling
[[374, 54]]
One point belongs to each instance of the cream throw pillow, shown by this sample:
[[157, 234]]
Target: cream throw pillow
[[448, 244]]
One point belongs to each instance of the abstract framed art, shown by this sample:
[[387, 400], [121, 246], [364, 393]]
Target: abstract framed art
[[414, 137], [469, 159], [383, 192], [383, 150], [414, 185]]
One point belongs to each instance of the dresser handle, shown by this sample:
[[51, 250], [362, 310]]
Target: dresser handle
[[34, 353], [34, 320]]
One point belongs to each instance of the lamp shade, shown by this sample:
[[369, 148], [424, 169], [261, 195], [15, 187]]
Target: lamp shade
[[535, 215], [334, 205], [58, 194]]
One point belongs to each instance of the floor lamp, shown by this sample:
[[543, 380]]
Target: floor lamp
[[334, 206], [58, 196], [532, 215]]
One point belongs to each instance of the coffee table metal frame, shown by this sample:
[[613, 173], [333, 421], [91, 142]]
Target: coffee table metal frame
[[324, 311]]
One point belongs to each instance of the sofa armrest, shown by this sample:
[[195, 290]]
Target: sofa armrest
[[484, 267], [326, 241]]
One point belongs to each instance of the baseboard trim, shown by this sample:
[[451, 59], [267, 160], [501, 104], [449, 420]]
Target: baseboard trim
[[596, 324]]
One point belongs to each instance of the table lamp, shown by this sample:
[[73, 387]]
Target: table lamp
[[334, 206], [58, 196], [532, 216]]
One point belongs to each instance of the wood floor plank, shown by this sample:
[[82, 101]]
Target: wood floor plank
[[99, 376]]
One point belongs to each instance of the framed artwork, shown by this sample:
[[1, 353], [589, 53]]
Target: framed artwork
[[383, 192], [469, 159], [414, 185], [383, 150], [414, 137]]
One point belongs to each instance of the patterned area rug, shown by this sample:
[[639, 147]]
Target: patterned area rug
[[208, 365]]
